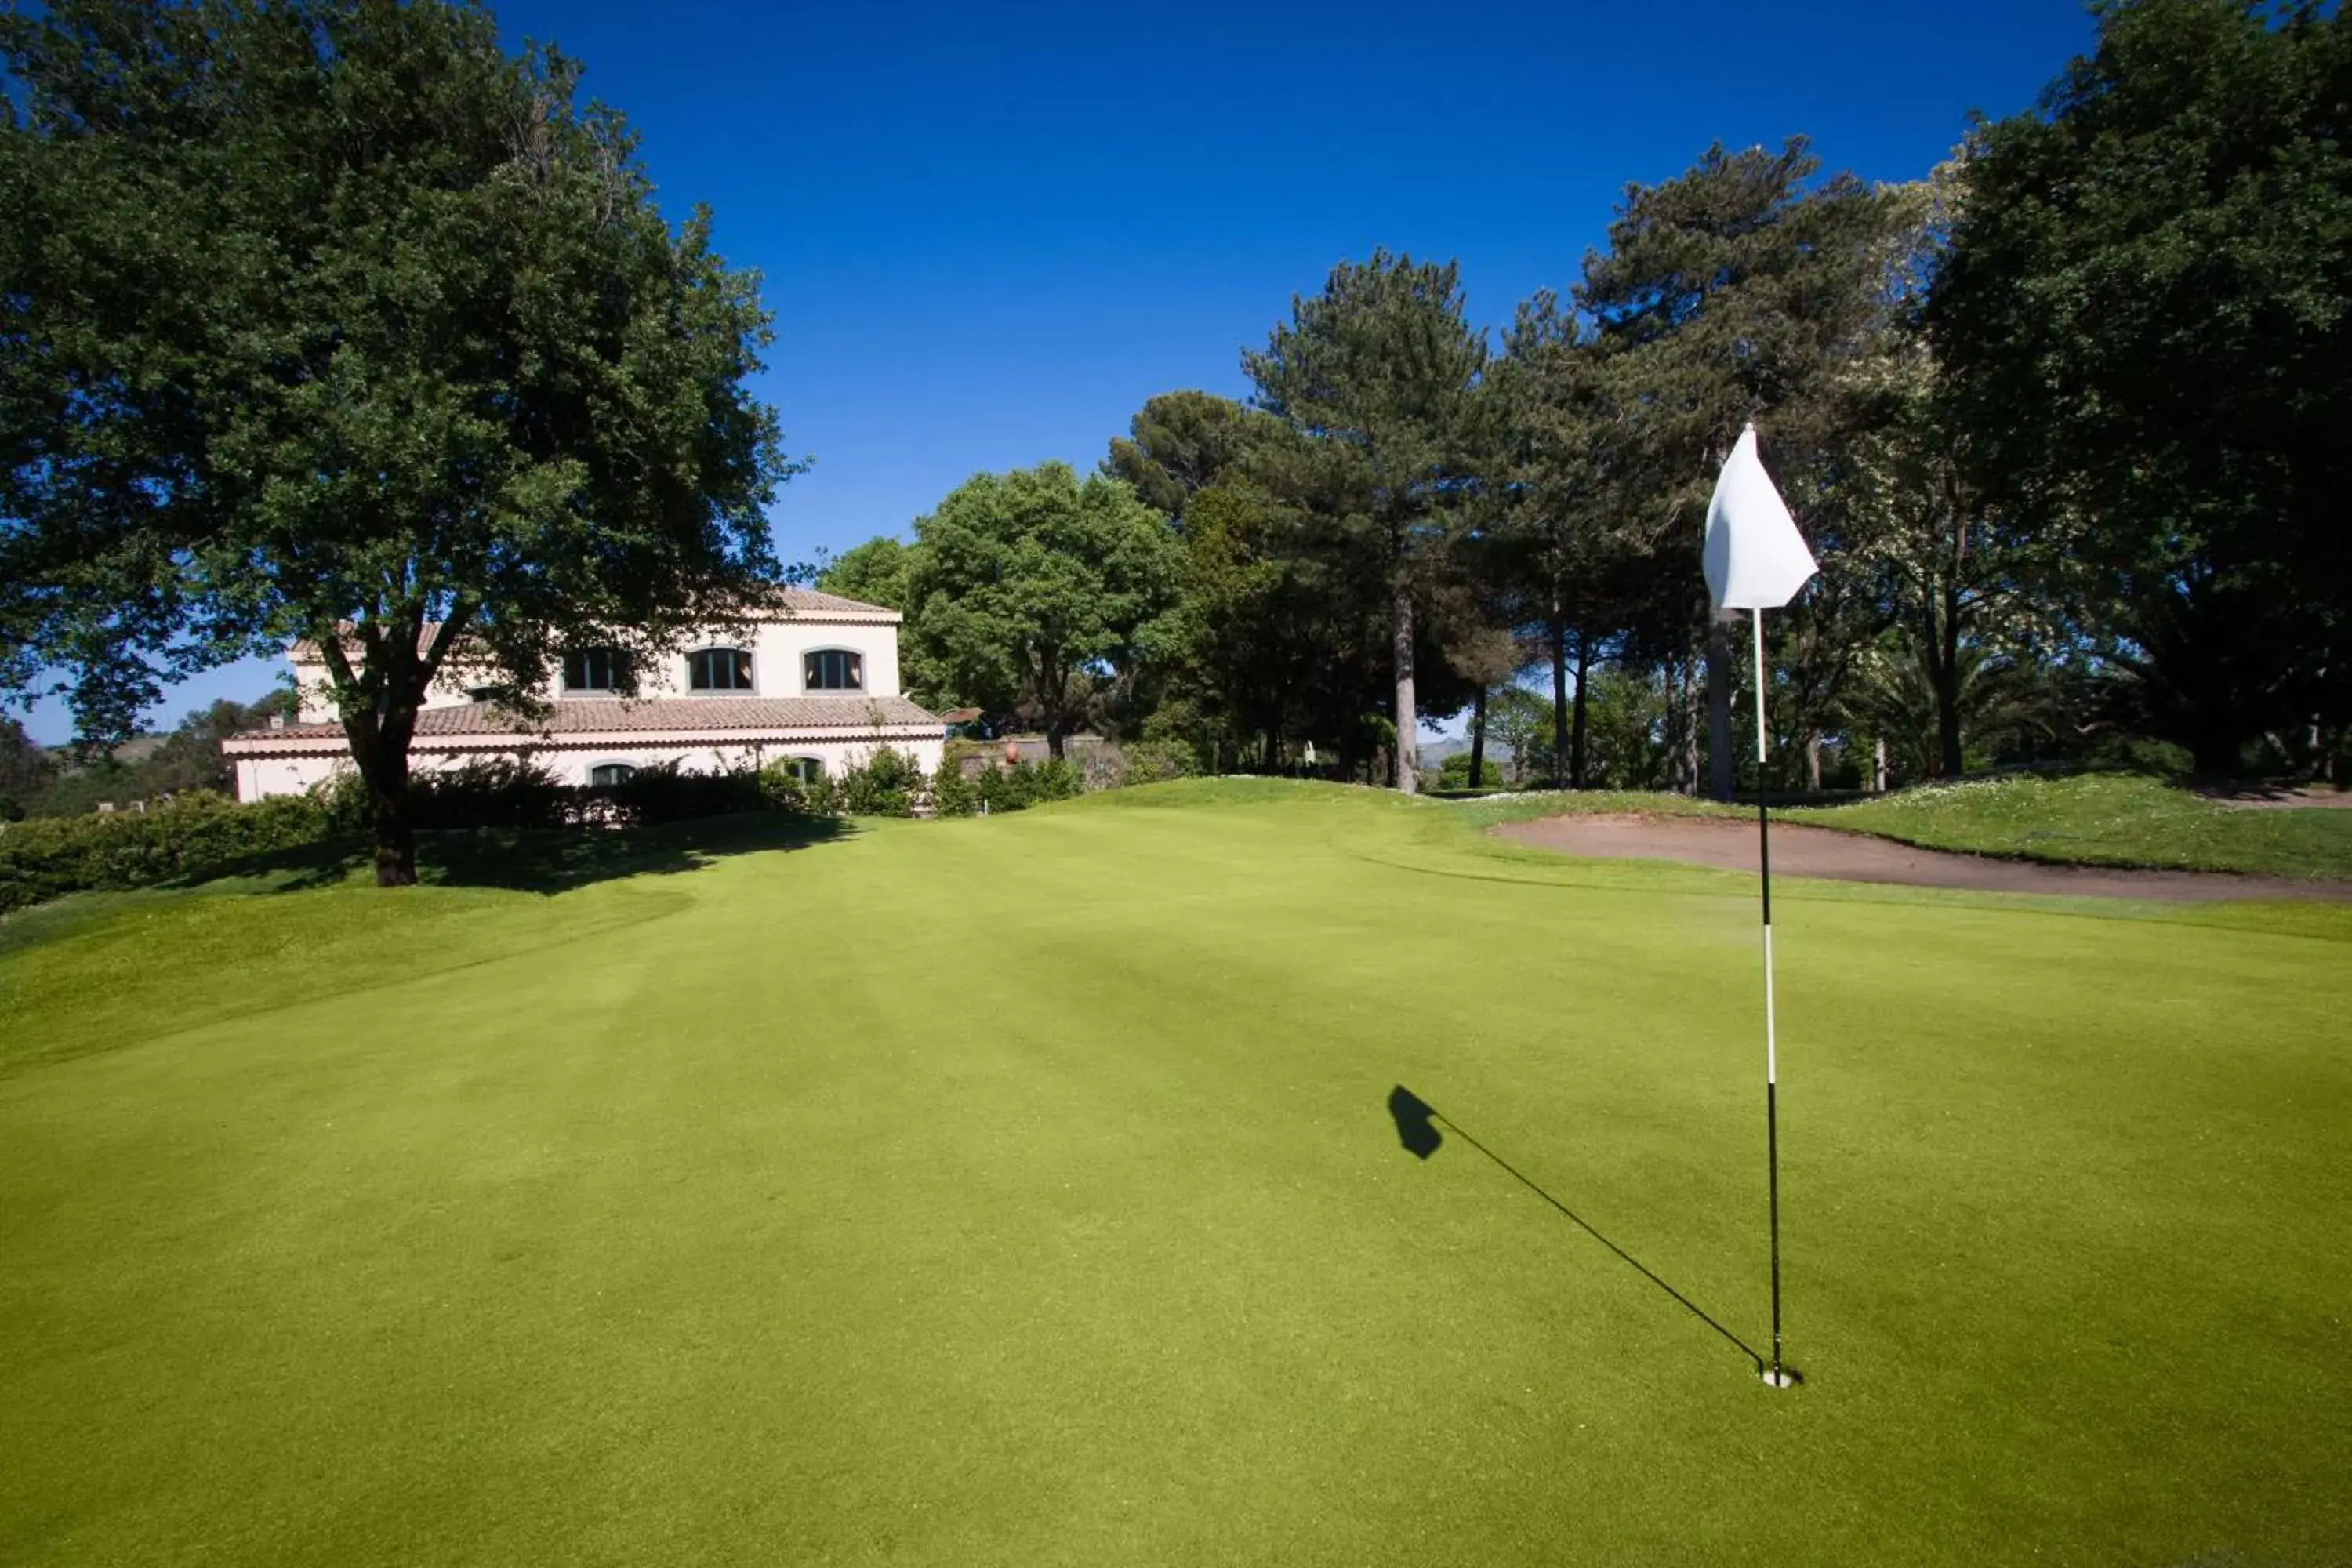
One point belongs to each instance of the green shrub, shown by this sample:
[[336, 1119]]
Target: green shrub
[[1453, 773], [887, 783], [2134, 754], [952, 794], [343, 797], [782, 788], [664, 793], [1025, 784], [488, 792], [1057, 779], [1156, 762], [194, 834]]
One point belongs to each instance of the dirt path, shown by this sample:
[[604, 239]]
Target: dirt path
[[1856, 857]]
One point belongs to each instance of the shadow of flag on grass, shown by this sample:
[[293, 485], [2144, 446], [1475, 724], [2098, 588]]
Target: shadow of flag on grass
[[1415, 1123]]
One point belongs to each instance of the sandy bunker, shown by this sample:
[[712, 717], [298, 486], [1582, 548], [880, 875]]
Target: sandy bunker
[[1799, 851]]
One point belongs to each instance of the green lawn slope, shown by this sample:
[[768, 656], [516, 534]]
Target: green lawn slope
[[2099, 819], [1025, 1191], [2107, 819]]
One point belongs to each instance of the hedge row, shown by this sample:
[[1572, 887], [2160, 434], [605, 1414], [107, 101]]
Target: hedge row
[[200, 833], [187, 836]]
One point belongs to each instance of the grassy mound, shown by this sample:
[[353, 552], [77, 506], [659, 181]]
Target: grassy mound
[[2107, 819], [2097, 819], [1027, 1190]]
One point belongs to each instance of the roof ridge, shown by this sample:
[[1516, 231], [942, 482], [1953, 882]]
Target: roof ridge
[[649, 716]]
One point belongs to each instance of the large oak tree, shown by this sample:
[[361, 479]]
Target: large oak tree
[[1040, 594], [331, 319], [2144, 321]]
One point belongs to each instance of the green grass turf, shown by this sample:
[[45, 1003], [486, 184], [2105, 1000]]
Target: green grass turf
[[2099, 819], [1023, 1191]]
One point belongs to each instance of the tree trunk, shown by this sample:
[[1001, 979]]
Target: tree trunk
[[1576, 745], [379, 720], [1878, 766], [1053, 740], [379, 745], [1944, 674], [1478, 739], [1719, 761], [1408, 721], [2217, 751], [1562, 776], [1682, 704], [1813, 764], [388, 814]]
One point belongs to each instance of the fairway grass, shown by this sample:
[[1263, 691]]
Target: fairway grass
[[1025, 1190]]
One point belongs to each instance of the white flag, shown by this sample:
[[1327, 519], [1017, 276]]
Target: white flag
[[1756, 559]]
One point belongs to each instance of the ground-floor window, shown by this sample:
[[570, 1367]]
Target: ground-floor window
[[606, 775], [808, 769]]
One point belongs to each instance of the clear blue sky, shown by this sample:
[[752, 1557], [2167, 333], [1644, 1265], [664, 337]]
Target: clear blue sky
[[988, 237]]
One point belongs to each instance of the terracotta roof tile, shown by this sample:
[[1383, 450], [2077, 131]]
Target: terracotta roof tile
[[814, 602], [604, 716], [790, 601]]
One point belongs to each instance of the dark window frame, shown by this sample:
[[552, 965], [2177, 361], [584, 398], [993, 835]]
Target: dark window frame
[[627, 771], [739, 669], [852, 663], [587, 663]]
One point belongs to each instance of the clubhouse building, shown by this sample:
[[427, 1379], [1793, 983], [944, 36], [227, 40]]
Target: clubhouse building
[[814, 682]]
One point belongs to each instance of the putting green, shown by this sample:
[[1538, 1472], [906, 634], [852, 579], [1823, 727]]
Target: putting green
[[1025, 1191]]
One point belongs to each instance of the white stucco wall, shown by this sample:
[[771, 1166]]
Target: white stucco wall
[[573, 763], [777, 667], [257, 777], [448, 690]]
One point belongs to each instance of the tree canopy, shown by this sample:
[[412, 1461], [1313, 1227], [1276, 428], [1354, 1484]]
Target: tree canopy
[[329, 319], [1041, 595], [332, 320], [2147, 317], [1379, 371]]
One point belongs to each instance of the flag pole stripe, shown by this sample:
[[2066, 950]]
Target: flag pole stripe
[[1772, 1031]]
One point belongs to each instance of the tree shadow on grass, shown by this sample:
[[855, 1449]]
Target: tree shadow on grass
[[542, 860], [1416, 1124]]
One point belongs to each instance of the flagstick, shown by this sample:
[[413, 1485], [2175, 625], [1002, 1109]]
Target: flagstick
[[1776, 1377]]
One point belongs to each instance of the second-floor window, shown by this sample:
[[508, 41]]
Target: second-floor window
[[719, 669], [833, 669], [595, 670]]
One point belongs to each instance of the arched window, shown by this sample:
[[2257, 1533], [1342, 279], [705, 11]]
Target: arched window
[[595, 670], [833, 669], [808, 769], [719, 669], [605, 775]]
